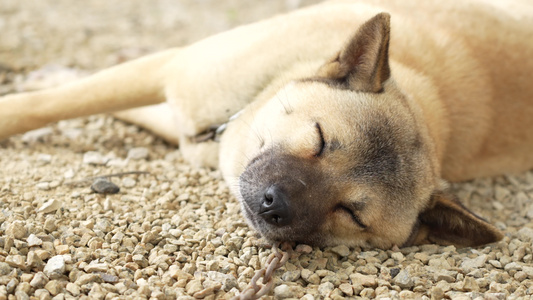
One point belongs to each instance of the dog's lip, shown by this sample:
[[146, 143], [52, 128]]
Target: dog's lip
[[248, 214]]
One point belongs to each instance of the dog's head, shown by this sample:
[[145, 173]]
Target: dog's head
[[344, 158]]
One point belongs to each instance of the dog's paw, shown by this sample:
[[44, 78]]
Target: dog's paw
[[199, 155]]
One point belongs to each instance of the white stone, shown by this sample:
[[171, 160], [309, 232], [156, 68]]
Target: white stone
[[33, 240], [55, 267], [138, 153], [94, 158], [50, 206], [36, 135]]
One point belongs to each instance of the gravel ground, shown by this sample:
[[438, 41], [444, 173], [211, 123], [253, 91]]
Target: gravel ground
[[174, 231]]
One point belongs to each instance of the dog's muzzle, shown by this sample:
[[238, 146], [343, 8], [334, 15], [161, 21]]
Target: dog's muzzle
[[283, 197]]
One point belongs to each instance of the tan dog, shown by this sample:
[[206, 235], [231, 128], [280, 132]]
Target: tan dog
[[337, 141]]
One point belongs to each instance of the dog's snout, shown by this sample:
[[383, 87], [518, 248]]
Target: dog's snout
[[274, 207]]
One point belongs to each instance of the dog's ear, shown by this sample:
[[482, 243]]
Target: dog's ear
[[447, 222], [363, 64]]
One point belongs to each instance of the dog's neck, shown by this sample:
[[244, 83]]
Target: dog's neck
[[426, 103]]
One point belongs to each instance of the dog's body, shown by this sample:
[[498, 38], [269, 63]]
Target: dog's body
[[332, 145]]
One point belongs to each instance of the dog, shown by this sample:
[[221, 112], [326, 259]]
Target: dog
[[339, 123]]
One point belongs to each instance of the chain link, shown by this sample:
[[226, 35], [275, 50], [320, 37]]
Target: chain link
[[275, 260]]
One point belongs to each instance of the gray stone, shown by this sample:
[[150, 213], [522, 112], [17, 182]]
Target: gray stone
[[104, 186], [5, 268], [404, 280]]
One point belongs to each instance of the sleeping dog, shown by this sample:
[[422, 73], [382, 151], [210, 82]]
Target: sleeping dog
[[337, 123]]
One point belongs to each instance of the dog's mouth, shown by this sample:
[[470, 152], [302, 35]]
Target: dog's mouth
[[272, 233]]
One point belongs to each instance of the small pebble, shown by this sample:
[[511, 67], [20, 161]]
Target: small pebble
[[364, 280], [404, 280], [54, 287], [33, 240], [55, 267], [37, 134], [104, 186], [88, 278], [346, 288], [302, 248], [39, 280], [44, 158], [283, 291], [470, 264], [193, 287], [50, 206], [16, 261], [17, 230], [50, 224], [325, 288], [138, 153], [94, 158], [5, 268], [73, 288], [128, 182]]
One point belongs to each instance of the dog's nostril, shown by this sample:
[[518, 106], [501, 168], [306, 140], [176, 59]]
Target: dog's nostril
[[275, 219], [274, 207], [269, 197]]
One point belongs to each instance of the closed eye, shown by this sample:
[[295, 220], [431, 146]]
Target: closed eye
[[322, 144], [352, 214]]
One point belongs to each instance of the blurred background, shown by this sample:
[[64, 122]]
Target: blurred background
[[94, 34]]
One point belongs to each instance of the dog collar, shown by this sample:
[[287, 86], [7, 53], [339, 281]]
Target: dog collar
[[214, 132]]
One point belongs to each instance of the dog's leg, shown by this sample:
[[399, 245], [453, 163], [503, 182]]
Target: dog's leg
[[133, 84], [158, 119]]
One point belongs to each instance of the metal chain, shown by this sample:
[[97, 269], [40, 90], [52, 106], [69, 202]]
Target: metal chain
[[275, 260]]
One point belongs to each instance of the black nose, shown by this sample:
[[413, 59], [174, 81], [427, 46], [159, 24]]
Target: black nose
[[274, 207]]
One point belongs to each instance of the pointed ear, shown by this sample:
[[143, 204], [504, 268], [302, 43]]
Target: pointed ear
[[447, 222], [363, 64]]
